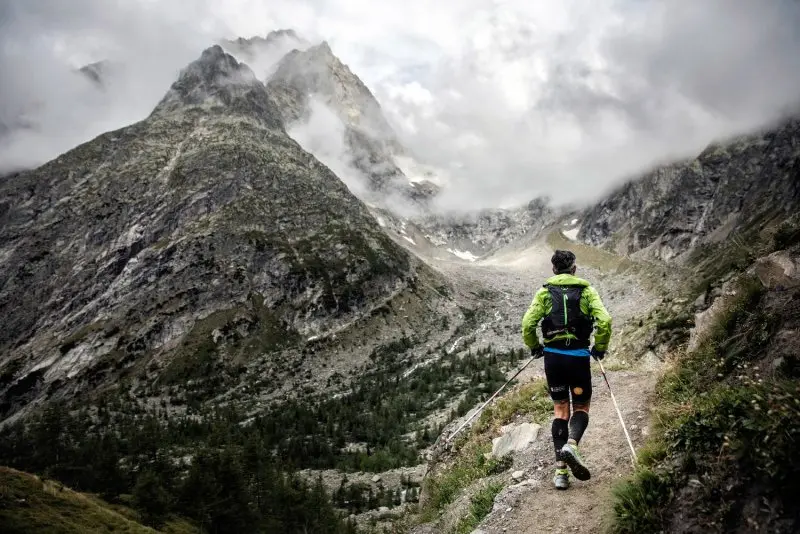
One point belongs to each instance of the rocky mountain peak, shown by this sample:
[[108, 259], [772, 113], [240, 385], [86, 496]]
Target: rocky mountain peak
[[318, 72], [271, 38], [203, 225], [262, 54], [323, 52], [218, 80]]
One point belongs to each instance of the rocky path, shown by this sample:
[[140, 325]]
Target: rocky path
[[538, 507]]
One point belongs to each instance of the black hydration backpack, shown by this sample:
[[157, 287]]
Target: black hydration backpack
[[567, 317]]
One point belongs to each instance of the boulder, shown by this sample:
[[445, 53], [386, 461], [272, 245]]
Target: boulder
[[779, 270], [515, 439]]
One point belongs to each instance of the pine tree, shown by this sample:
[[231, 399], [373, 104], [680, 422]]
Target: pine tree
[[151, 499]]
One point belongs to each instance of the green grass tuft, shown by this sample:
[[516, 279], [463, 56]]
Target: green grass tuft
[[638, 503], [480, 505], [531, 399], [444, 488]]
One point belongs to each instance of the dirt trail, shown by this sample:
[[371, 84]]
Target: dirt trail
[[537, 506], [541, 508]]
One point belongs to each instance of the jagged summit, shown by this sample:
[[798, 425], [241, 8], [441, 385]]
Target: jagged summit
[[272, 38], [318, 72], [262, 54], [217, 80], [306, 81], [324, 51]]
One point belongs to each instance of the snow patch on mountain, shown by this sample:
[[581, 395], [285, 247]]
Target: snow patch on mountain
[[464, 255]]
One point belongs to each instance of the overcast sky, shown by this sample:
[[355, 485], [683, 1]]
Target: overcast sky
[[514, 98]]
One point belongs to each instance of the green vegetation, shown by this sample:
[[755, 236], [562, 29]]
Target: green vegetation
[[29, 504], [382, 408], [228, 486], [530, 401], [170, 464], [471, 465], [480, 505], [359, 497], [639, 503], [725, 428]]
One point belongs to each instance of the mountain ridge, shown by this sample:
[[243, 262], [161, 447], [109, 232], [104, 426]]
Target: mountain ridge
[[157, 226]]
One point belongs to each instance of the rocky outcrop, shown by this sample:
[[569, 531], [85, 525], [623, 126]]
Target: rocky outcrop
[[316, 76], [203, 225], [262, 54], [486, 231], [317, 71], [727, 189], [778, 271]]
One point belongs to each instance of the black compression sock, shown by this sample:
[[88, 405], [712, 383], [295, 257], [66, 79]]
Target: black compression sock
[[577, 425], [560, 431]]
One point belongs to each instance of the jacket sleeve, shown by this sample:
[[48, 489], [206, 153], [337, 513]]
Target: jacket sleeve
[[602, 320], [536, 311]]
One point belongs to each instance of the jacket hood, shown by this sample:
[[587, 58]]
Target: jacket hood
[[567, 280]]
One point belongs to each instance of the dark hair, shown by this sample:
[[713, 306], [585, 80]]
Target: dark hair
[[563, 261]]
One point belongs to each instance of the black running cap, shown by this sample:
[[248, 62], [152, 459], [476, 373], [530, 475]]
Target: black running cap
[[563, 261]]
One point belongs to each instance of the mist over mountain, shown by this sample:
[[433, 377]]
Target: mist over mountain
[[559, 101]]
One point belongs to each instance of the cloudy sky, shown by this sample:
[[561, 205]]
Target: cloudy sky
[[514, 98]]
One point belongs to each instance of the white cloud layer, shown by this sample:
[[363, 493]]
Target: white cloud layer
[[512, 98]]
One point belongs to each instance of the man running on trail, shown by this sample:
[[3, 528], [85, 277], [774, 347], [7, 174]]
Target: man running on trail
[[570, 309]]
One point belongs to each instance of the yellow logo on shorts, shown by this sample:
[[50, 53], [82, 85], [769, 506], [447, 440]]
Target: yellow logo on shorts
[[577, 391]]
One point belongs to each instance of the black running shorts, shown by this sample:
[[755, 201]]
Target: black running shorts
[[567, 374]]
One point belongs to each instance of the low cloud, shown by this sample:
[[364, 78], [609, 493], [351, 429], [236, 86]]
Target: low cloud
[[511, 100], [48, 107], [322, 133]]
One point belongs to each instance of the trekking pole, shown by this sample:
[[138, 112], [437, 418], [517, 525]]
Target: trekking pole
[[635, 459], [496, 393]]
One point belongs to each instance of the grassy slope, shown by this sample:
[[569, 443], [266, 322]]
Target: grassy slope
[[29, 504], [721, 457]]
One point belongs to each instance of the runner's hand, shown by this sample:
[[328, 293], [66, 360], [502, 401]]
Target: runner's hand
[[537, 353], [598, 354]]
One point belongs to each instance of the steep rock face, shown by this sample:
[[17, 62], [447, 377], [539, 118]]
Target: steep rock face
[[203, 223], [319, 72], [316, 75], [488, 230], [680, 207]]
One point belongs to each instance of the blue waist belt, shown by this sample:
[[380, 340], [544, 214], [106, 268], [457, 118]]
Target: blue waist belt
[[569, 352]]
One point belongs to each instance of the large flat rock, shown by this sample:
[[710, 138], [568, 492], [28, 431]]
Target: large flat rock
[[516, 439]]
